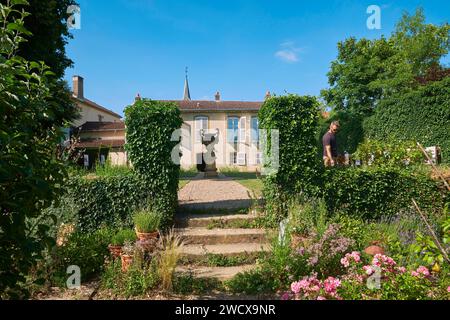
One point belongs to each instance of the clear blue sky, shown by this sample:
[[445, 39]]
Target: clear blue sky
[[240, 48]]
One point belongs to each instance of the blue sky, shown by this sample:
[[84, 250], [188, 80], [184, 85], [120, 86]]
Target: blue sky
[[241, 48]]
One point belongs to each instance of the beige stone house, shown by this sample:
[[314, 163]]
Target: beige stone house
[[102, 132]]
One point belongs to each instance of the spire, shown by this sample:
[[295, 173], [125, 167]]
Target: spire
[[187, 94]]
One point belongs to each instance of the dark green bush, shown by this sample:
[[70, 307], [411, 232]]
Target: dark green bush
[[350, 134], [103, 201], [422, 115], [372, 193], [87, 251], [150, 125], [296, 119]]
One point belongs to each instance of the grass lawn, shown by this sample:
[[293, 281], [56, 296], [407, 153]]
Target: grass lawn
[[247, 179]]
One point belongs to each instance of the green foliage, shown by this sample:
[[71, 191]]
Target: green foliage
[[150, 125], [188, 284], [372, 193], [296, 119], [350, 134], [426, 247], [146, 221], [400, 154], [137, 281], [103, 201], [257, 281], [88, 251], [368, 71], [421, 115], [30, 173], [122, 236], [306, 217]]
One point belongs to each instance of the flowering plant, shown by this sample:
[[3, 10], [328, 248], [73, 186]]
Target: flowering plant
[[310, 288]]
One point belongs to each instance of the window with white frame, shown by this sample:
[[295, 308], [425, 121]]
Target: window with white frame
[[201, 122], [242, 129], [232, 130]]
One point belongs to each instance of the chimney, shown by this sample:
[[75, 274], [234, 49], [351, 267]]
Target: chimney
[[78, 87], [217, 96], [268, 95]]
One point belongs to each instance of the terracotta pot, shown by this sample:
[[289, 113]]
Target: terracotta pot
[[374, 250], [115, 251], [147, 236], [126, 262]]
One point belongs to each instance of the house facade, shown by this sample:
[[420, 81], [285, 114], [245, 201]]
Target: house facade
[[102, 133]]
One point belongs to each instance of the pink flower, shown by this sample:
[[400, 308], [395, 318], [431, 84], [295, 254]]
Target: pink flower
[[295, 287], [356, 256], [423, 270], [414, 273], [323, 298], [331, 284], [345, 262], [402, 269], [285, 296], [448, 289], [369, 270]]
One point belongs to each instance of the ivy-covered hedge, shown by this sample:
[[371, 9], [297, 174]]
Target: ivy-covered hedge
[[103, 201], [296, 118], [422, 115], [149, 128], [377, 192]]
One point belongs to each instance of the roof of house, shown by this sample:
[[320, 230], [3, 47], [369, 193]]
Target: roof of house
[[102, 126], [117, 143], [214, 106], [96, 106]]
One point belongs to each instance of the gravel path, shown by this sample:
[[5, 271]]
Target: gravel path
[[217, 193]]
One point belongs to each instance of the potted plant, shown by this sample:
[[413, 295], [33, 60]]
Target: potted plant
[[127, 255], [147, 224], [118, 240]]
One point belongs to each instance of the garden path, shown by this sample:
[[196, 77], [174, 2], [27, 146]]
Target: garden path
[[216, 220]]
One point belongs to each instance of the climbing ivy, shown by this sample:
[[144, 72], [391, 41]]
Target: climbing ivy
[[296, 119], [149, 128]]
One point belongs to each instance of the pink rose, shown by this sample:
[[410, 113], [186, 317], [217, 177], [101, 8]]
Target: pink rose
[[295, 287], [423, 270], [414, 273], [448, 289], [323, 298]]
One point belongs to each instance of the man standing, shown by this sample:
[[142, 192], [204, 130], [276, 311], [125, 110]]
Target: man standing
[[330, 146]]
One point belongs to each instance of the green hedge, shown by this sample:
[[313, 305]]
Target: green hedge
[[350, 134], [296, 118], [150, 126], [374, 193], [422, 115], [102, 201]]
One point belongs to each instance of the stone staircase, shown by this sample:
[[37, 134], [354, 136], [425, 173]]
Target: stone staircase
[[220, 236]]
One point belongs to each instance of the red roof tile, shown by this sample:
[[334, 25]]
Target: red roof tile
[[211, 106]]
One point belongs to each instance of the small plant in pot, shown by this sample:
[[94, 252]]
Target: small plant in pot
[[127, 255], [147, 224], [119, 239]]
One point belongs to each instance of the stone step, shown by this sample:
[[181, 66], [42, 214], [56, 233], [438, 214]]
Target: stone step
[[221, 236], [204, 220], [199, 252], [219, 273]]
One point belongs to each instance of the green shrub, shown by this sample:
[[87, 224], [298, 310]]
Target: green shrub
[[372, 193], [146, 221], [150, 126], [421, 115], [123, 236], [137, 281], [296, 119], [108, 201], [308, 216], [402, 154], [87, 251]]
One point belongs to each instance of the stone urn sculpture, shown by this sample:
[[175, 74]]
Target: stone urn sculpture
[[209, 140]]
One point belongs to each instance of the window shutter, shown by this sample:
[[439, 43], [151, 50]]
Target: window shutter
[[242, 129], [241, 158]]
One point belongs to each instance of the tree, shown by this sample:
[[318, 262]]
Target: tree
[[367, 71], [30, 174]]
